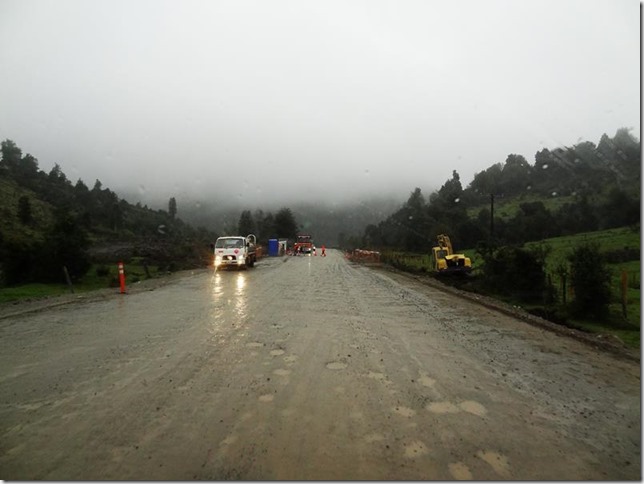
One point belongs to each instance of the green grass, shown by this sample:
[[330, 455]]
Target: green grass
[[31, 291], [507, 209], [92, 281], [628, 328]]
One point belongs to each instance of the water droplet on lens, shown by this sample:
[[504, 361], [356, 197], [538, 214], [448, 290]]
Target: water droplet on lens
[[545, 166], [456, 200], [141, 190], [554, 194]]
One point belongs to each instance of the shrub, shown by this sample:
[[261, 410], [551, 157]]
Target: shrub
[[590, 279]]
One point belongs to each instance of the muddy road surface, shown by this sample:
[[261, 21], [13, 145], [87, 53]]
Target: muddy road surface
[[307, 368]]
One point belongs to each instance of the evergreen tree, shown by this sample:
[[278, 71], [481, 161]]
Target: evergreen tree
[[284, 224], [246, 223], [25, 214], [172, 208]]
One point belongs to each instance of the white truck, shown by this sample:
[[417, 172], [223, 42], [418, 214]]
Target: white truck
[[235, 251]]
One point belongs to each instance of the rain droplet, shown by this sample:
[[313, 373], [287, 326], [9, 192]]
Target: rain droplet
[[366, 172], [456, 200], [529, 187], [554, 194], [141, 190], [545, 166], [411, 217], [161, 229]]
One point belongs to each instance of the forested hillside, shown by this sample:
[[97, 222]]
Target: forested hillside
[[47, 222], [568, 190]]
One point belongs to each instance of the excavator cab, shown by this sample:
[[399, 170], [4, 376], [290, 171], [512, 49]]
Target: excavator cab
[[444, 260]]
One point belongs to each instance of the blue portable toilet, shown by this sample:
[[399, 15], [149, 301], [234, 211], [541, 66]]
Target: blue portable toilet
[[273, 247]]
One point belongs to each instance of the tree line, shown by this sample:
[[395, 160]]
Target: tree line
[[601, 184], [602, 188], [55, 222]]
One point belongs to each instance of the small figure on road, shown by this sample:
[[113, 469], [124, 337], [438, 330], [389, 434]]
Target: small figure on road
[[323, 250]]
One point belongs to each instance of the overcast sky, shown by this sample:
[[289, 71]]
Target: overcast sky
[[266, 99]]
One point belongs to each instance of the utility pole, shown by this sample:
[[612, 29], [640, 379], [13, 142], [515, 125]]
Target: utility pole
[[491, 216]]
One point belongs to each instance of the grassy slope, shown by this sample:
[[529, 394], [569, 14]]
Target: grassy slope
[[561, 247]]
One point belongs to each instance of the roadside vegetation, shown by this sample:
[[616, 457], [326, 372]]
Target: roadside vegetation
[[560, 237]]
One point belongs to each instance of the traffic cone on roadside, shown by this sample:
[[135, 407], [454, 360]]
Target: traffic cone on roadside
[[121, 277]]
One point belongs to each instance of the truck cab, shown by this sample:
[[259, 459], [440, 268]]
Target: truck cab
[[303, 244], [235, 251]]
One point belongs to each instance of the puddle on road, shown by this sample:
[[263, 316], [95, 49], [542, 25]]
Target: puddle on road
[[231, 439], [442, 407], [469, 406], [404, 411], [375, 437], [282, 372], [460, 471], [496, 461], [415, 449], [473, 407], [336, 365], [426, 381]]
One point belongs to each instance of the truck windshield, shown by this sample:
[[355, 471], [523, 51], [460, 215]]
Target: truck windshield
[[229, 243]]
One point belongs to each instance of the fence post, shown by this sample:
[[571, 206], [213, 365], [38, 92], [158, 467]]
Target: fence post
[[68, 279], [624, 287]]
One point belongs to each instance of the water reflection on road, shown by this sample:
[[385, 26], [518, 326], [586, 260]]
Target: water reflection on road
[[229, 304]]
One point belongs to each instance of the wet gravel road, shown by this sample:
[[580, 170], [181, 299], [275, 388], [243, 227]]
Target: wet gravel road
[[307, 368]]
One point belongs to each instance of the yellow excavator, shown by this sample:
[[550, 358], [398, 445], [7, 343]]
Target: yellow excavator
[[445, 261]]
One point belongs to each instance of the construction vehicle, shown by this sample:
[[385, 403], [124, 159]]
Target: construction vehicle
[[444, 261], [235, 251], [303, 245]]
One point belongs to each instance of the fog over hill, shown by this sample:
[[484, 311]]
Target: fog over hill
[[325, 220]]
